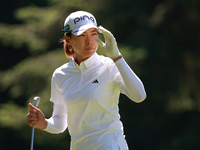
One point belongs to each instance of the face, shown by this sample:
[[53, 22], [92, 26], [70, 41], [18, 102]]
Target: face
[[84, 45]]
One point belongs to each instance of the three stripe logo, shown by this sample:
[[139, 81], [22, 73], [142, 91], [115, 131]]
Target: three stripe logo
[[95, 81]]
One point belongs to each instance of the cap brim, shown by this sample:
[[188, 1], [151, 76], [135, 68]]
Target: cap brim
[[80, 30]]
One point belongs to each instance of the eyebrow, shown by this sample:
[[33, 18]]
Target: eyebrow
[[95, 30]]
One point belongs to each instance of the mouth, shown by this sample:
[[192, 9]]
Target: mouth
[[90, 48]]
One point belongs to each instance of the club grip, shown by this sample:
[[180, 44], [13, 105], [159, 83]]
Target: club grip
[[35, 103]]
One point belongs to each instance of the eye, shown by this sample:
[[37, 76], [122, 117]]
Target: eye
[[95, 33]]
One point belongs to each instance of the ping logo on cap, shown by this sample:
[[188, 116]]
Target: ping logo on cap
[[78, 22], [77, 19]]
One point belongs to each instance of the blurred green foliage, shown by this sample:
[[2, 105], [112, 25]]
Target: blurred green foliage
[[160, 41]]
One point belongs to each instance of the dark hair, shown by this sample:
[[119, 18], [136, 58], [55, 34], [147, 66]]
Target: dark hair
[[67, 48]]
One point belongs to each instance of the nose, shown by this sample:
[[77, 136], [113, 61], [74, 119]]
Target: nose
[[89, 40]]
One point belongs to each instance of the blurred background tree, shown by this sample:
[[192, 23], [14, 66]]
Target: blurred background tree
[[160, 41]]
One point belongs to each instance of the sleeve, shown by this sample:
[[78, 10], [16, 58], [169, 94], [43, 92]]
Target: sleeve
[[58, 122], [55, 92], [128, 82]]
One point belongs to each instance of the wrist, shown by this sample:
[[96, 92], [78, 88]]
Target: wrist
[[44, 125], [117, 58], [115, 54]]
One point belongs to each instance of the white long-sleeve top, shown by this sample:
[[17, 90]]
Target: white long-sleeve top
[[86, 98]]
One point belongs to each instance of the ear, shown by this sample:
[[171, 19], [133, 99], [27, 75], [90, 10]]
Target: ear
[[68, 41]]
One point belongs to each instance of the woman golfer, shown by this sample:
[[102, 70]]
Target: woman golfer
[[85, 91]]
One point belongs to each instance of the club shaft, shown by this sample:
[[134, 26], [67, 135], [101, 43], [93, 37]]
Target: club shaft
[[33, 130], [32, 136]]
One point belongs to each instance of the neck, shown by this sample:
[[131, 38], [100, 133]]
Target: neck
[[79, 60]]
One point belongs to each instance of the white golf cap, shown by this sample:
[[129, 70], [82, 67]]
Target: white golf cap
[[78, 22]]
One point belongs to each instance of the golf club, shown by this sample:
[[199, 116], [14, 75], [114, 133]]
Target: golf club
[[36, 102]]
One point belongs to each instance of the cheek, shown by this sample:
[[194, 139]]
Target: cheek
[[76, 43], [96, 44]]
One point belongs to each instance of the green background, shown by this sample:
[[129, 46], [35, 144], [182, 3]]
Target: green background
[[159, 39]]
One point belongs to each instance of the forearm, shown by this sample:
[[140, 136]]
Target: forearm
[[58, 122], [132, 83]]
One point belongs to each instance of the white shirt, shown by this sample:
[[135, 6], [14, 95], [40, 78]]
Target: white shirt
[[86, 101]]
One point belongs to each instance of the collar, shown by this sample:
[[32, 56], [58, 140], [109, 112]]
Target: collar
[[88, 62]]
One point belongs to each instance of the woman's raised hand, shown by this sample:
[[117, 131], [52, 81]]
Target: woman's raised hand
[[110, 46]]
